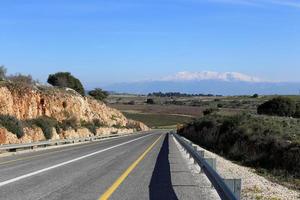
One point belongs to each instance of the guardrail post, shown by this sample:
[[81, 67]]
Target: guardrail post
[[201, 153], [235, 185], [212, 162]]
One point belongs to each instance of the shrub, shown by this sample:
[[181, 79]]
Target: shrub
[[92, 126], [118, 126], [21, 79], [69, 123], [131, 103], [280, 106], [252, 140], [66, 79], [209, 111], [46, 124], [150, 101], [12, 124], [220, 105], [98, 123], [98, 94], [89, 125], [255, 96]]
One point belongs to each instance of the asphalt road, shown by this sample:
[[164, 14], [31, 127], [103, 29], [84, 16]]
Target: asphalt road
[[144, 166]]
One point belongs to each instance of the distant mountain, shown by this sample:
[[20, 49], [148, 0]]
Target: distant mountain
[[228, 83], [210, 75]]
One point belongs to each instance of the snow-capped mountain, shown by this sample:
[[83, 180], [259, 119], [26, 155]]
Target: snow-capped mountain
[[210, 75], [207, 82]]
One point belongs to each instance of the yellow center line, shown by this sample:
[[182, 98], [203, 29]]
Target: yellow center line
[[121, 179]]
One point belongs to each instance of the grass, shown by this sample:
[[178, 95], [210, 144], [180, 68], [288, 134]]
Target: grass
[[158, 120], [160, 109]]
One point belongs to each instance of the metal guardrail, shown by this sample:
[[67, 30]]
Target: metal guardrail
[[219, 184], [10, 147]]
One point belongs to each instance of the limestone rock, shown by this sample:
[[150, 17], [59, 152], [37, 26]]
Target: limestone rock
[[61, 104]]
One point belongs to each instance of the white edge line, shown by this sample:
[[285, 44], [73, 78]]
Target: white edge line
[[65, 163]]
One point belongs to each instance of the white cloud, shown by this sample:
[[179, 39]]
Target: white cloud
[[210, 75]]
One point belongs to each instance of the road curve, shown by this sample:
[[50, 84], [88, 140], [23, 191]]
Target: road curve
[[144, 166]]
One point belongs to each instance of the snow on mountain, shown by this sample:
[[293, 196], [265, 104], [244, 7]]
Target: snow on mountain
[[210, 75]]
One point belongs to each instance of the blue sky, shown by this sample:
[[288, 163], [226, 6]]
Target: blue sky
[[107, 41]]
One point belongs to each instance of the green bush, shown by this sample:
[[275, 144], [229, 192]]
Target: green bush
[[98, 94], [92, 126], [98, 123], [69, 123], [89, 125], [12, 124], [66, 79], [252, 140], [279, 106], [118, 126], [209, 111], [46, 124], [150, 101]]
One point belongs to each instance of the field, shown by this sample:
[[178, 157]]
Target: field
[[159, 120], [269, 133], [170, 111]]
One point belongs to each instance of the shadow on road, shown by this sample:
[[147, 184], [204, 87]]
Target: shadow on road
[[161, 185]]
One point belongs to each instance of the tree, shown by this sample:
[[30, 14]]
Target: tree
[[280, 106], [150, 101], [3, 72], [255, 96], [66, 79], [98, 94]]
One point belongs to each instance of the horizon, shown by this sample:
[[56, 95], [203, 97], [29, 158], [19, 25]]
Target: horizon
[[104, 43]]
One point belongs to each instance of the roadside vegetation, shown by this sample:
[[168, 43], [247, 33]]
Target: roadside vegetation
[[280, 106], [98, 94], [268, 142], [48, 125], [12, 124], [92, 126]]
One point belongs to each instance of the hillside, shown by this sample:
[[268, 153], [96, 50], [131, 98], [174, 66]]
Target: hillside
[[36, 109]]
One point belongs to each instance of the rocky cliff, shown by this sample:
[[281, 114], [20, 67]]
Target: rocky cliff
[[61, 104]]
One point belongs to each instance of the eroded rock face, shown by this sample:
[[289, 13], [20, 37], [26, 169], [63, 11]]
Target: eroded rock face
[[7, 137], [32, 135], [61, 105], [30, 103]]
